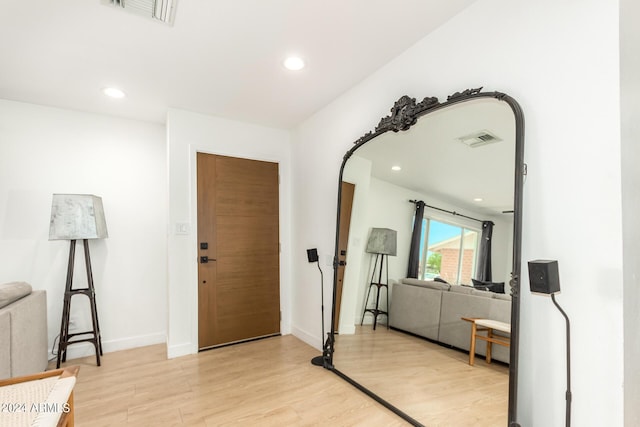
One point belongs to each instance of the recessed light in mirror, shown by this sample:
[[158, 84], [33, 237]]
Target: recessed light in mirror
[[478, 199], [294, 63], [113, 92], [396, 168]]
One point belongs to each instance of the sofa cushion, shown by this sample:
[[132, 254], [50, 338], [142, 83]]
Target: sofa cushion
[[29, 349], [426, 284], [10, 292], [500, 310], [455, 331], [484, 294], [5, 344], [505, 297], [415, 309], [459, 289]]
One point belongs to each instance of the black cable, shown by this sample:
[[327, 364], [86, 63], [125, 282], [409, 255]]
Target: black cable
[[54, 353], [568, 393]]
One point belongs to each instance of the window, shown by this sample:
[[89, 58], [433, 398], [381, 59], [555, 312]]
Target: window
[[448, 251]]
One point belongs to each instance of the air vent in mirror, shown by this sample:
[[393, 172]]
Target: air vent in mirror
[[160, 10], [478, 139]]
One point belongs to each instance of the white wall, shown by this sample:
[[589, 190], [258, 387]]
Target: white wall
[[544, 55], [47, 150], [189, 133], [357, 172], [630, 132]]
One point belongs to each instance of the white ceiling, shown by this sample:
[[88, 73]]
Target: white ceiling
[[220, 57], [434, 162]]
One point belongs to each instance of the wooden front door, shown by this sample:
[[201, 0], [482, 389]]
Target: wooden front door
[[238, 250], [346, 203]]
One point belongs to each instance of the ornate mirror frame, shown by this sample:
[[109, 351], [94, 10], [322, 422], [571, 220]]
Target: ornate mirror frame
[[404, 114]]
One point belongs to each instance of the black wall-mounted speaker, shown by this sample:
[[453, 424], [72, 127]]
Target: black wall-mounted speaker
[[544, 277], [312, 255]]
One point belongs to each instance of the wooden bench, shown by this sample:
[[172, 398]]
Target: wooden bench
[[479, 326], [43, 399]]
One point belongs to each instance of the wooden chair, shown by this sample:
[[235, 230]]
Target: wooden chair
[[42, 399]]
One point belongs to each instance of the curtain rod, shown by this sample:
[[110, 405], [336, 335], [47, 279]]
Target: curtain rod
[[449, 212]]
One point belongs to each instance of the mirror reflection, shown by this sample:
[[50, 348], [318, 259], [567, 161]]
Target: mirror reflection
[[425, 249]]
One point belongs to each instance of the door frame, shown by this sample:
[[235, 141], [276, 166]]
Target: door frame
[[284, 237]]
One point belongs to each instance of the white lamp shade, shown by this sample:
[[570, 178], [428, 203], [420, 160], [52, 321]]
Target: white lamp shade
[[76, 217], [382, 241]]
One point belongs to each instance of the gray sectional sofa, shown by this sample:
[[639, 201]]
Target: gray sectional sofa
[[434, 310], [23, 330]]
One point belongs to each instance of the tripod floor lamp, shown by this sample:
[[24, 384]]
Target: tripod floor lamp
[[78, 217]]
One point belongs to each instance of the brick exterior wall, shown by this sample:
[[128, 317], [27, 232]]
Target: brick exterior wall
[[449, 265]]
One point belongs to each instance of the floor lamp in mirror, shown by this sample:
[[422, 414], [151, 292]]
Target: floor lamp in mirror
[[382, 242]]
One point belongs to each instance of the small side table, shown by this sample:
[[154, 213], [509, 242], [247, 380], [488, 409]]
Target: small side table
[[488, 326]]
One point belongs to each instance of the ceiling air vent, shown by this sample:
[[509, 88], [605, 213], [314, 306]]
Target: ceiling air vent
[[160, 10], [478, 139]]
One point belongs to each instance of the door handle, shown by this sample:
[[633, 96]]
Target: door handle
[[205, 259], [342, 263]]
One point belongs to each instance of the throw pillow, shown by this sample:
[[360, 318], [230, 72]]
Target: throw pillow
[[497, 287]]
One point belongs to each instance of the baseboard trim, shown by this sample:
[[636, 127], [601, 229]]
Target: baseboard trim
[[179, 350], [313, 341], [85, 349], [347, 329]]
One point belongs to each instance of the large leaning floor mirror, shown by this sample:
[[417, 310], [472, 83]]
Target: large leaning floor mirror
[[427, 262]]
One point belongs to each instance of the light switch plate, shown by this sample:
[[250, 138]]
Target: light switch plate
[[182, 228]]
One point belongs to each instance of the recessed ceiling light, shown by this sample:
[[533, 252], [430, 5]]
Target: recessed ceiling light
[[113, 92], [294, 63], [396, 168], [478, 199]]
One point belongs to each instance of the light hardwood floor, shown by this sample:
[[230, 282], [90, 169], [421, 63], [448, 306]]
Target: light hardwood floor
[[262, 383], [433, 384]]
